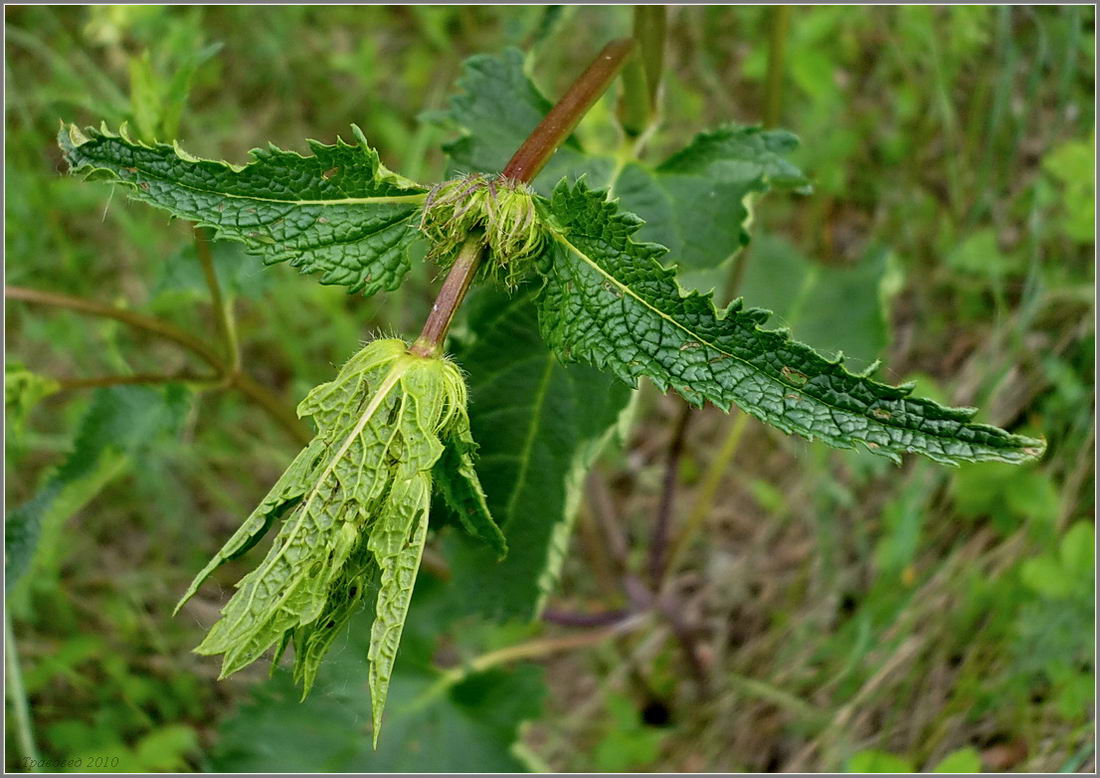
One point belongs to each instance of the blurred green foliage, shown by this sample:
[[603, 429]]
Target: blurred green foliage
[[923, 617]]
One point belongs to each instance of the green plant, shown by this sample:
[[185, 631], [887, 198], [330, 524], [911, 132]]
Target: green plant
[[598, 295]]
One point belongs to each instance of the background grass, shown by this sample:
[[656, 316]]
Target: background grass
[[851, 615]]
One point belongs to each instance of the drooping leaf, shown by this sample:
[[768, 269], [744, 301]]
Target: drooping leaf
[[119, 423], [539, 425], [457, 479], [355, 502], [609, 301], [694, 202], [470, 725], [339, 213]]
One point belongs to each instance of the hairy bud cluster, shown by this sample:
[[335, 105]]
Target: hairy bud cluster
[[502, 210]]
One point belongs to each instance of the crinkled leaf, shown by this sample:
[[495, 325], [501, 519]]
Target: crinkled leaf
[[694, 203], [539, 425], [355, 502], [609, 301], [339, 212]]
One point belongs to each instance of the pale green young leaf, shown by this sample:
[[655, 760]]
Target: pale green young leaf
[[539, 425], [355, 502], [457, 480], [609, 301], [339, 212]]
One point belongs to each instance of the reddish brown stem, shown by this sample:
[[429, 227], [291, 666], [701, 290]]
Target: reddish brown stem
[[251, 388], [563, 117], [457, 283], [523, 167]]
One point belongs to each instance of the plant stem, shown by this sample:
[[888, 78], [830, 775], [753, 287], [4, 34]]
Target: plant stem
[[773, 89], [711, 481], [650, 24], [528, 650], [525, 164], [239, 380], [17, 695], [65, 384], [556, 126], [638, 106], [451, 294], [223, 309], [659, 543], [569, 619], [137, 320]]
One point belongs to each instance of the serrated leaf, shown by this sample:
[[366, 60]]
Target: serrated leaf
[[468, 726], [120, 422], [356, 504], [539, 425], [694, 202], [339, 212], [609, 301]]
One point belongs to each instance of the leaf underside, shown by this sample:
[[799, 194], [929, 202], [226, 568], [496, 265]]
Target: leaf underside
[[608, 300], [339, 212], [539, 425]]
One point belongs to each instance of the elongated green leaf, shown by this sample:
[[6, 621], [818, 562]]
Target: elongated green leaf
[[695, 202], [120, 422], [356, 503], [608, 300], [539, 425], [339, 213]]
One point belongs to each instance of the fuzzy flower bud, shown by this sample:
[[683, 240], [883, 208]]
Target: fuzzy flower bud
[[504, 211]]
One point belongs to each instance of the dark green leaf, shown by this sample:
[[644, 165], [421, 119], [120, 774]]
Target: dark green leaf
[[432, 725], [609, 301], [539, 425], [695, 202], [339, 212]]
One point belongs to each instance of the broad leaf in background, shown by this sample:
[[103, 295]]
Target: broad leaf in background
[[435, 723], [833, 309], [120, 422], [498, 108], [339, 212], [608, 300], [180, 279], [694, 202], [539, 425]]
